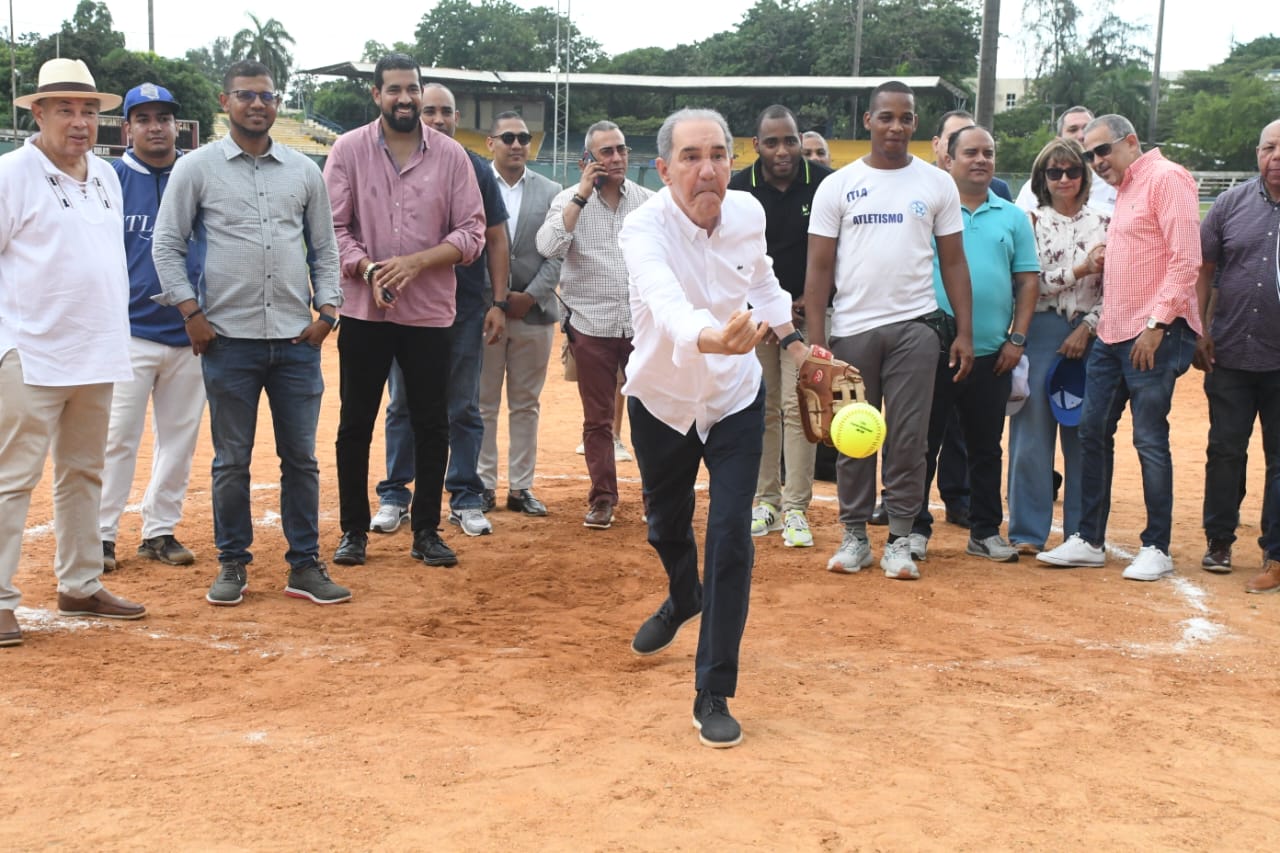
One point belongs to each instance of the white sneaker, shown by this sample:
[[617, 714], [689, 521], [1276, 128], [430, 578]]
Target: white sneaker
[[897, 562], [472, 521], [1075, 552], [620, 452], [1151, 564], [795, 530], [388, 518], [854, 555], [765, 519], [919, 544]]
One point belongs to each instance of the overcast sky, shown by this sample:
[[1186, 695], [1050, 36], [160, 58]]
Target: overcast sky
[[1197, 33]]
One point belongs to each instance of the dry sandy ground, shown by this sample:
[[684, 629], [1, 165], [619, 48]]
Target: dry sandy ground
[[497, 705]]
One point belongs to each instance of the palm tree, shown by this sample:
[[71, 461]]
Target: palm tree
[[265, 43]]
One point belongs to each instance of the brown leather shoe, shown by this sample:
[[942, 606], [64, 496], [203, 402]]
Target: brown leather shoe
[[1217, 557], [1268, 581], [600, 517], [101, 604], [10, 633]]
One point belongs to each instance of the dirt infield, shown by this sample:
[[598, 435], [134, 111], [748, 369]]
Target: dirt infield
[[497, 705]]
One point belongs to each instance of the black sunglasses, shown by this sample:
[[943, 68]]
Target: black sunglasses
[[509, 138], [1100, 150], [246, 96], [1053, 173]]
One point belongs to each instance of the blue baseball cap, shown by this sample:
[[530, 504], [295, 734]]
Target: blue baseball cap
[[148, 93], [1064, 386]]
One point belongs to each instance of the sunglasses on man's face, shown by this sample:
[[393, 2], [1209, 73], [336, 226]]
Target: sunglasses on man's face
[[509, 138], [246, 96], [1071, 173], [1100, 150]]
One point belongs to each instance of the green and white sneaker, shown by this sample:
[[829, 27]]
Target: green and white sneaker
[[795, 530], [765, 519]]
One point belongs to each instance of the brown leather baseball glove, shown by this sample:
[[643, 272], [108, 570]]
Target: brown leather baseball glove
[[824, 386]]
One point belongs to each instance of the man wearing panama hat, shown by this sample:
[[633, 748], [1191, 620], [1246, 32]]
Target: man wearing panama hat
[[64, 334]]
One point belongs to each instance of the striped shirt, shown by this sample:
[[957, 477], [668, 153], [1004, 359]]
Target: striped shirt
[[1153, 250], [271, 251], [593, 279]]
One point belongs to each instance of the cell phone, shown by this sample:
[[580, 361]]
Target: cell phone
[[588, 157], [388, 295]]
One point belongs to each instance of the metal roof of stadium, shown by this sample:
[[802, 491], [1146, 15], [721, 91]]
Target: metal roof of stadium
[[721, 85]]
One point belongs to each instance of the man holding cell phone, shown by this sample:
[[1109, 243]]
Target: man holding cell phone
[[582, 228]]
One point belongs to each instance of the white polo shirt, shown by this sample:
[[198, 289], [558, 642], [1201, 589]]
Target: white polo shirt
[[682, 281], [64, 279]]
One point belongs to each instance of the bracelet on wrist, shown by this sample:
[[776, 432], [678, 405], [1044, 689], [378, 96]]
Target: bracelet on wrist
[[579, 200], [368, 273], [186, 318], [791, 339]]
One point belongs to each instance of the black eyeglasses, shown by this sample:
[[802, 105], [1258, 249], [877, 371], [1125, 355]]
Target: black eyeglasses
[[509, 138], [1071, 173], [246, 96], [620, 149], [1100, 150]]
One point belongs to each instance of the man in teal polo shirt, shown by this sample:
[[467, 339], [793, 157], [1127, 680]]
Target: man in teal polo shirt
[[999, 246]]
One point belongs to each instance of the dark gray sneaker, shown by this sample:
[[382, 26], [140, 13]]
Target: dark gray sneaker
[[314, 584], [430, 549], [228, 589], [167, 550], [660, 629], [716, 728]]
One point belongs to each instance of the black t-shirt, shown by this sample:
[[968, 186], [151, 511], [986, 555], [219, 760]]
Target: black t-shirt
[[786, 218]]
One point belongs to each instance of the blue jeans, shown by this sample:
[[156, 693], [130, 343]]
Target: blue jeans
[[1111, 382], [466, 427], [1033, 436], [669, 464], [236, 372]]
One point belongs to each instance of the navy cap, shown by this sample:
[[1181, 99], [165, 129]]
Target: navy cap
[[148, 93], [1064, 386]]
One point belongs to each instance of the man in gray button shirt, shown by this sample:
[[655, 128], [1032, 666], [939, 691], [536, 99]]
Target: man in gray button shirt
[[272, 258], [1238, 292]]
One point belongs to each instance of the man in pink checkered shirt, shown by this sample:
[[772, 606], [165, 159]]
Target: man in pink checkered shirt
[[1146, 340]]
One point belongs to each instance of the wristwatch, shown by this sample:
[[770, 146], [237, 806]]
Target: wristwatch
[[1153, 323], [1017, 339], [791, 339], [499, 303]]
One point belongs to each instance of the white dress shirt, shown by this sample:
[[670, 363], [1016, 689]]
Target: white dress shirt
[[64, 281], [683, 280], [512, 196]]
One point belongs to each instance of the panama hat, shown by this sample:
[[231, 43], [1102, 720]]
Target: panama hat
[[67, 78], [1064, 386]]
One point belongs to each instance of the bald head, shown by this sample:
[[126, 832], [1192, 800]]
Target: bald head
[[439, 110], [814, 148]]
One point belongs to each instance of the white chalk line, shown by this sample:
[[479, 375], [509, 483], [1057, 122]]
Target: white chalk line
[[1196, 630]]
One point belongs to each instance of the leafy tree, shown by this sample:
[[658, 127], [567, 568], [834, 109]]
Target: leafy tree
[[497, 35], [212, 61], [1215, 115], [89, 35], [346, 102], [265, 42], [1053, 27], [122, 69]]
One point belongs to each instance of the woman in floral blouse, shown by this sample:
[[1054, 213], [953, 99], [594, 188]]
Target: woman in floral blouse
[[1071, 239]]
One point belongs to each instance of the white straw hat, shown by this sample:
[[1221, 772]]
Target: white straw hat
[[67, 78]]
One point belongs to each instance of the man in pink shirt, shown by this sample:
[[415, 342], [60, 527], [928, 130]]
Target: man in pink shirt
[[406, 209], [1146, 340]]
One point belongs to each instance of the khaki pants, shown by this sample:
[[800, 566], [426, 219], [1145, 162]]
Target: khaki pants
[[783, 434], [72, 421]]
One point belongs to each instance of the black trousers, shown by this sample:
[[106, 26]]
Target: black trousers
[[668, 464], [365, 352], [979, 402]]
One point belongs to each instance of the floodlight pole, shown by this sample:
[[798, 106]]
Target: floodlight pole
[[151, 26]]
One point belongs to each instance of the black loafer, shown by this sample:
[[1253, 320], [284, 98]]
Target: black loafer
[[488, 500], [524, 501]]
